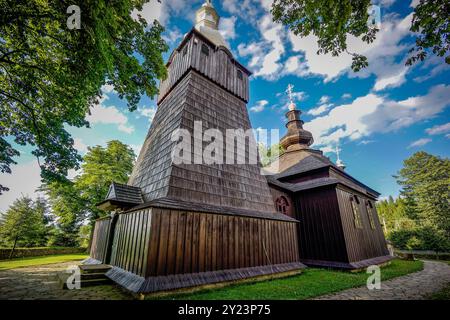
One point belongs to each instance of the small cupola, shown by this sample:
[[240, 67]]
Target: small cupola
[[207, 23], [296, 138], [207, 16]]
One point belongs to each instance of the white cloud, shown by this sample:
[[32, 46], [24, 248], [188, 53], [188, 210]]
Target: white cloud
[[395, 80], [384, 3], [136, 148], [147, 112], [366, 142], [324, 99], [267, 4], [346, 96], [382, 55], [227, 27], [162, 10], [108, 88], [172, 36], [414, 3], [297, 96], [109, 115], [328, 149], [79, 145], [295, 66], [259, 106], [431, 67], [72, 173], [323, 107], [320, 109], [265, 55], [151, 11], [373, 113], [24, 180], [255, 51], [271, 34], [419, 143], [439, 129], [247, 10]]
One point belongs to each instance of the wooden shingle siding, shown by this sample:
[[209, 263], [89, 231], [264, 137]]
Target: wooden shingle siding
[[362, 243], [191, 242], [99, 239], [235, 185]]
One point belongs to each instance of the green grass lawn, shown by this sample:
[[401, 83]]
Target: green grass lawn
[[311, 283], [444, 294], [36, 261]]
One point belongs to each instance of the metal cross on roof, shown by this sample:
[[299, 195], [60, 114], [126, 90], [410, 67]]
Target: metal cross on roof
[[290, 93]]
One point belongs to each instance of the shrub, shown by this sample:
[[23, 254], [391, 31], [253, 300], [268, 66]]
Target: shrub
[[34, 252], [421, 238]]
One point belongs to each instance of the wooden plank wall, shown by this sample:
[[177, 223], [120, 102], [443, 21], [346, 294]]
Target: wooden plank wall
[[189, 242], [218, 66], [131, 239], [362, 243], [99, 239], [320, 229]]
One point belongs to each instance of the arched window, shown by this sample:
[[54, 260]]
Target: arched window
[[205, 49], [239, 75], [356, 214], [370, 213], [282, 205]]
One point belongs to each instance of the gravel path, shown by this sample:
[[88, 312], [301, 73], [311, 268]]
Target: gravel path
[[41, 283], [415, 286]]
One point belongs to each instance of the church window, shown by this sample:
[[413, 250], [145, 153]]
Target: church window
[[282, 205], [205, 49], [356, 213], [185, 50], [370, 214], [239, 75]]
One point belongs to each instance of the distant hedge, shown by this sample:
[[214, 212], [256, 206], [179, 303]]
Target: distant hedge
[[421, 238], [41, 251]]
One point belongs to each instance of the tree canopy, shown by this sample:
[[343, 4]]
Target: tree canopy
[[425, 182], [419, 218], [269, 154], [74, 202], [26, 223], [332, 21], [50, 74]]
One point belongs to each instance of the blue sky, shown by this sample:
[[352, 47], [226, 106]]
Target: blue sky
[[378, 117]]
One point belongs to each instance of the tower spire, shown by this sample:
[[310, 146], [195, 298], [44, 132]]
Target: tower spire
[[291, 97], [207, 16], [340, 164], [207, 23], [296, 138]]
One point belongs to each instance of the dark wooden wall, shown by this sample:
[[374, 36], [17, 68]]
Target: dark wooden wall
[[321, 236], [157, 242], [362, 243], [99, 239], [218, 66], [131, 240], [190, 242]]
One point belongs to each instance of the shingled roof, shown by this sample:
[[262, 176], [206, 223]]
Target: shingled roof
[[121, 196], [312, 163]]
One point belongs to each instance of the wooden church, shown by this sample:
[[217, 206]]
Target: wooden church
[[183, 225]]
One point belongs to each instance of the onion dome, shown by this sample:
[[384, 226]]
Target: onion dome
[[296, 138]]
